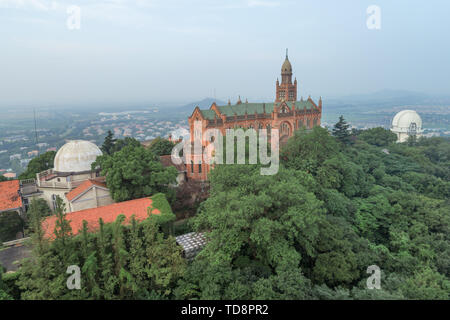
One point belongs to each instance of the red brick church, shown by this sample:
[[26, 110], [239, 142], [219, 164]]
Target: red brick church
[[286, 114]]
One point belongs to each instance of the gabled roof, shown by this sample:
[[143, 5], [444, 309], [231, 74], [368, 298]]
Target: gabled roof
[[140, 208], [82, 188], [9, 195], [252, 108]]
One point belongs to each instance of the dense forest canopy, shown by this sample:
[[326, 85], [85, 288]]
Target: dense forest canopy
[[339, 204]]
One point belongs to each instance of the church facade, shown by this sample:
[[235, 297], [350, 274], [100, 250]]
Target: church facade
[[286, 114]]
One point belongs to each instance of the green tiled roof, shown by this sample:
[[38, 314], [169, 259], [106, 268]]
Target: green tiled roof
[[208, 114], [251, 108]]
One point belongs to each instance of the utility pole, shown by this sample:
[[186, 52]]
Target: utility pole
[[35, 127]]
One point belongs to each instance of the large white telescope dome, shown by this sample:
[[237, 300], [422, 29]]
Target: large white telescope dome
[[76, 156], [406, 123]]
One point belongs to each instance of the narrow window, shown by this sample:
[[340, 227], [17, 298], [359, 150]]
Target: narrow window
[[54, 201]]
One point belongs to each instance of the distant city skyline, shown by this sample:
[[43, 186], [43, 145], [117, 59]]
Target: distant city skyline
[[135, 52]]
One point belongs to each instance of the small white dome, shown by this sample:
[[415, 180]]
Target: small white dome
[[76, 156], [403, 120]]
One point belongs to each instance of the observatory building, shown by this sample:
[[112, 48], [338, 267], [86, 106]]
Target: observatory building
[[71, 178], [406, 123]]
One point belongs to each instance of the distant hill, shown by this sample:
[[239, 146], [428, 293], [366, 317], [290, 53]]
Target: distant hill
[[202, 104]]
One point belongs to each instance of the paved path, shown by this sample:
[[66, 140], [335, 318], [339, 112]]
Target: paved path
[[9, 256]]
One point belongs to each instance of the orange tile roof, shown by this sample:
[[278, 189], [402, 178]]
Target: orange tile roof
[[138, 207], [86, 185], [9, 195]]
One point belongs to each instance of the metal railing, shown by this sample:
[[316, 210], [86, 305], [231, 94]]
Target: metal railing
[[15, 242]]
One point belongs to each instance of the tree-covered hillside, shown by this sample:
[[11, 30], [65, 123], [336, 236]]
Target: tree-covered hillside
[[339, 204]]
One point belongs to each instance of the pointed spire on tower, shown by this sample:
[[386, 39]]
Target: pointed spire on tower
[[239, 100], [286, 53], [229, 102]]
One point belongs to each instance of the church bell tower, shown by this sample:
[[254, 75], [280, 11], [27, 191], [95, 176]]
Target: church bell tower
[[286, 91]]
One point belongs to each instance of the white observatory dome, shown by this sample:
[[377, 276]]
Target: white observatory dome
[[76, 156], [405, 124]]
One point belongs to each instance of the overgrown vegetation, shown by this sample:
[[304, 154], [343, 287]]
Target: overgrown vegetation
[[135, 172], [10, 224], [337, 205]]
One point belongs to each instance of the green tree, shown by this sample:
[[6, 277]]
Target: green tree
[[42, 207], [306, 151], [108, 144], [127, 141], [119, 261], [161, 147], [254, 227], [62, 226], [10, 224], [3, 289], [40, 163], [135, 172], [378, 136], [341, 131]]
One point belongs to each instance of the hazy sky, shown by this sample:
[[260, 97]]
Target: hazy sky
[[136, 51]]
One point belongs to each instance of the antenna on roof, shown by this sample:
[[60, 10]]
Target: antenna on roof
[[35, 126]]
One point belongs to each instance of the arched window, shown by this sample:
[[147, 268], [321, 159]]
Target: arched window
[[285, 128], [200, 167], [192, 166]]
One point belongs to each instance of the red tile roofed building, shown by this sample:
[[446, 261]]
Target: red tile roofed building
[[90, 194], [10, 199], [140, 208], [83, 188]]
